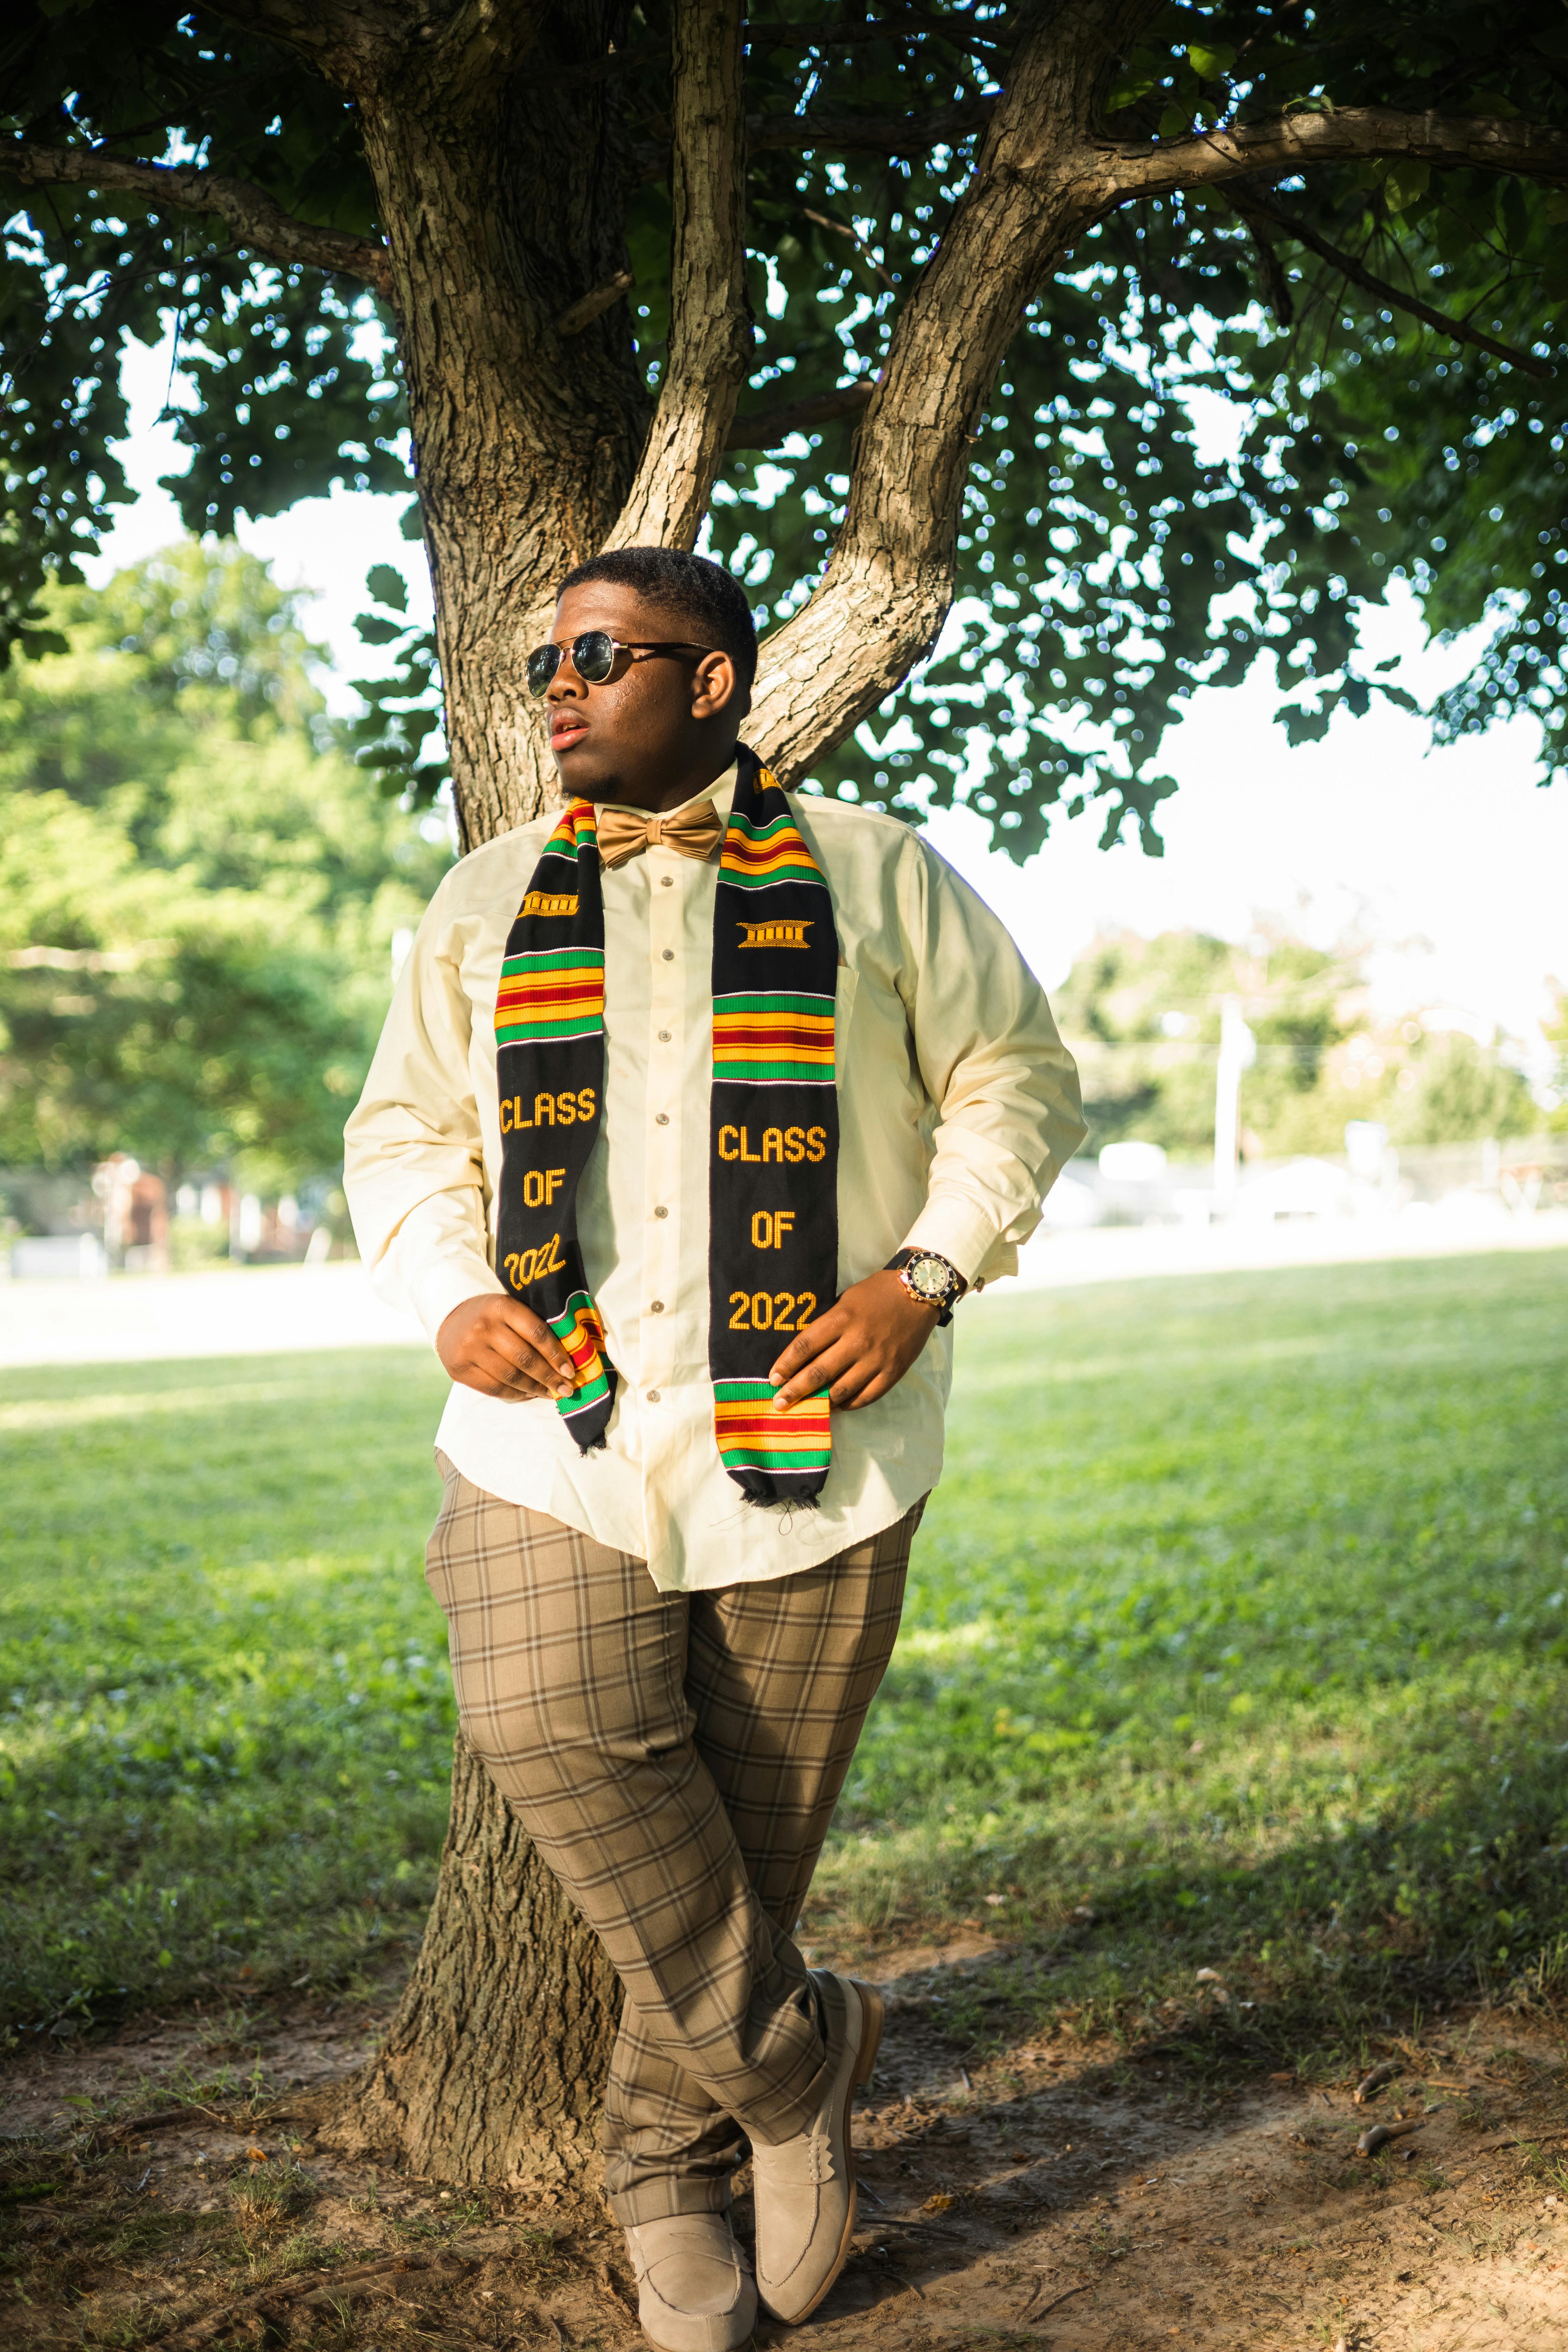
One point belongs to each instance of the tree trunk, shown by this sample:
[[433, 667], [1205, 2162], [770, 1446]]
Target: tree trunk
[[528, 440], [534, 448], [504, 209], [505, 223], [494, 2065]]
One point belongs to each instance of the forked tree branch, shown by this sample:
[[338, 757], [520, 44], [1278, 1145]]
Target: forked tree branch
[[890, 582], [1253, 209], [258, 223], [1296, 142], [711, 325], [1040, 180]]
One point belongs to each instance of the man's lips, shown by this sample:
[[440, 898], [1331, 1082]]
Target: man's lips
[[565, 732]]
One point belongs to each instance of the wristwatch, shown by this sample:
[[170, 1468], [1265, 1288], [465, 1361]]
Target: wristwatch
[[929, 1279]]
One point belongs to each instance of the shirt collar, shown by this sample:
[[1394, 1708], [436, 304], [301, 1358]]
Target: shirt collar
[[721, 791]]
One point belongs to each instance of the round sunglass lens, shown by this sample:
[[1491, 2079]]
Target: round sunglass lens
[[594, 656], [542, 665]]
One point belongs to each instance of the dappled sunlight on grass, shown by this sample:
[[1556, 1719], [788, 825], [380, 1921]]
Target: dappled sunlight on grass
[[225, 1713], [1236, 1636], [1249, 1638]]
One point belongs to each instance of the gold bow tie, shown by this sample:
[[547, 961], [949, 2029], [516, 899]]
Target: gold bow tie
[[695, 831]]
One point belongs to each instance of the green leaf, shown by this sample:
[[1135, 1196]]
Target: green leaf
[[1404, 183], [387, 586], [1210, 62]]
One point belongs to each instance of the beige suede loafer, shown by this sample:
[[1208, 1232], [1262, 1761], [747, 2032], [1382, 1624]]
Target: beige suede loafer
[[804, 2189], [694, 2285]]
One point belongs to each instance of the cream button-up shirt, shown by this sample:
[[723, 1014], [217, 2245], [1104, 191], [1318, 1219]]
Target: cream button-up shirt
[[958, 1106]]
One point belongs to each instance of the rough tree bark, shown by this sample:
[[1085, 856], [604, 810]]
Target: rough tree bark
[[535, 444], [492, 2067]]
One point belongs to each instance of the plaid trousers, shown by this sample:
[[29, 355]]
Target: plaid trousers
[[675, 1759]]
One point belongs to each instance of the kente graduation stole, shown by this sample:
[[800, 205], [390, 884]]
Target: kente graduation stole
[[772, 1193]]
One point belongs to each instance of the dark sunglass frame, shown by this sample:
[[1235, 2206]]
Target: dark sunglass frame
[[593, 653]]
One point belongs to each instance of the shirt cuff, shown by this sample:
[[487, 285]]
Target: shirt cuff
[[958, 1231], [446, 1283]]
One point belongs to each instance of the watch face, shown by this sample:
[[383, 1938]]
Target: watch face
[[928, 1278]]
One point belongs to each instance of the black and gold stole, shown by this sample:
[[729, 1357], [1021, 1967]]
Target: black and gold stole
[[774, 1189], [549, 1063], [773, 1197]]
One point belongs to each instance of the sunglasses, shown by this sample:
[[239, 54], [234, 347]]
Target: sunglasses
[[593, 657]]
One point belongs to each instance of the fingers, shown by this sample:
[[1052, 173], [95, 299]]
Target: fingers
[[806, 1345], [812, 1358], [520, 1323], [502, 1349], [842, 1367], [495, 1380], [508, 1367]]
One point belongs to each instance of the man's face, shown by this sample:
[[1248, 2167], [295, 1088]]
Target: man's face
[[650, 735]]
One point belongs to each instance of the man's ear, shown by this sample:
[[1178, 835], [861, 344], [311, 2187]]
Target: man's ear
[[716, 689]]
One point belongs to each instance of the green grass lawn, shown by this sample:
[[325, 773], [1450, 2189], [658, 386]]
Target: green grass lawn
[[1238, 1622]]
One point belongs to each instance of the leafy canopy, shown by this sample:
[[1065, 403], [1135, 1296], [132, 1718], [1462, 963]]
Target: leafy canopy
[[1107, 565], [198, 891]]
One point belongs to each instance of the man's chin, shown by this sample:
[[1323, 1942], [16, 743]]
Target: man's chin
[[584, 777]]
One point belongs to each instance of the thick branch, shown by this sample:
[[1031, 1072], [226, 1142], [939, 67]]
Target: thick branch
[[767, 427], [1252, 208], [711, 325], [1296, 142], [890, 584], [258, 223]]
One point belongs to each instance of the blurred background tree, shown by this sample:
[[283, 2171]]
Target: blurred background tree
[[1143, 1018], [199, 890]]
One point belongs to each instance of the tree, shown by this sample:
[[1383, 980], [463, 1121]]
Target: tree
[[198, 890], [1142, 1017], [904, 303]]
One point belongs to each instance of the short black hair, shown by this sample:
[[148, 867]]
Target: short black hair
[[707, 599]]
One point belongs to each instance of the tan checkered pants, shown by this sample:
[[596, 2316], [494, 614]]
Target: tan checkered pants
[[676, 1757]]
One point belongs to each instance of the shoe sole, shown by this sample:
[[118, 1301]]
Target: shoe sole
[[873, 2015]]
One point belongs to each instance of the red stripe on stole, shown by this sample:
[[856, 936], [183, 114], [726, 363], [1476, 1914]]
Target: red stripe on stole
[[537, 997], [728, 1036], [784, 1426]]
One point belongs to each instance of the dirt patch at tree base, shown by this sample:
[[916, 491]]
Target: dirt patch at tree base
[[165, 2186]]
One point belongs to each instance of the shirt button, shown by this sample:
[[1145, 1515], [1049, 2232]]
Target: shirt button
[[653, 1396], [669, 955], [664, 1037], [667, 882], [658, 1306], [661, 1212], [662, 1118]]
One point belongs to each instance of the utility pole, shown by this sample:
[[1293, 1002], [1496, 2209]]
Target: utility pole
[[1237, 1052]]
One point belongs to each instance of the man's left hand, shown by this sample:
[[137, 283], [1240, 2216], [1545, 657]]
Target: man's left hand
[[859, 1348]]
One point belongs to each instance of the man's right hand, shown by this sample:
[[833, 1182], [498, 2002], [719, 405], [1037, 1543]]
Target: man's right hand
[[502, 1349]]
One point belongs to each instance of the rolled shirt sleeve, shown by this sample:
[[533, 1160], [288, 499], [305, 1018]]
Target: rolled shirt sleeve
[[991, 1059]]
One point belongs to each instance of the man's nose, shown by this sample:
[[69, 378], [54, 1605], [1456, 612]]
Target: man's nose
[[565, 685]]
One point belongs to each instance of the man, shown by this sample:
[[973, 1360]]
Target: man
[[697, 1109]]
